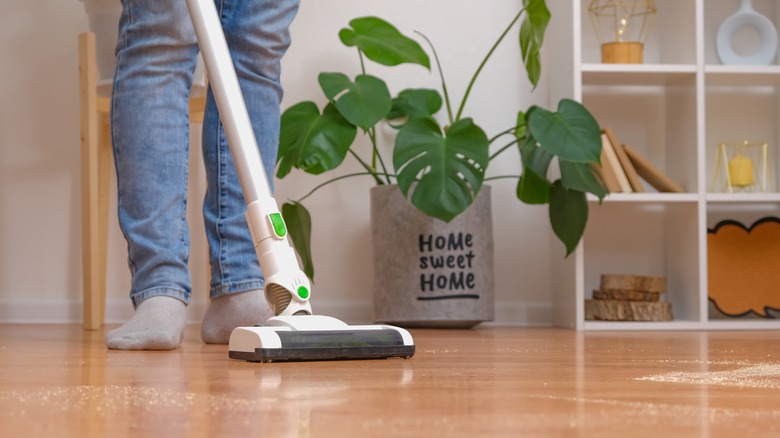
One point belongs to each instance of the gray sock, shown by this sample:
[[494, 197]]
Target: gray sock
[[227, 312], [158, 324]]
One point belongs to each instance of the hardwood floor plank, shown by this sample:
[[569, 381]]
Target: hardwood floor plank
[[59, 380]]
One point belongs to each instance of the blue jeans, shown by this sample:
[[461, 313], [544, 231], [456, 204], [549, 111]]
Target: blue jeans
[[155, 59]]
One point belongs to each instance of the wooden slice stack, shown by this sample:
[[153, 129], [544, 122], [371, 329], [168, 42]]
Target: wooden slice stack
[[629, 298]]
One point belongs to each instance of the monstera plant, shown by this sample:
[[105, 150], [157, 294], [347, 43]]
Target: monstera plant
[[440, 166]]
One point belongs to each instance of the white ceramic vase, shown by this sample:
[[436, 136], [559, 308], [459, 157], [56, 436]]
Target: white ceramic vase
[[746, 16]]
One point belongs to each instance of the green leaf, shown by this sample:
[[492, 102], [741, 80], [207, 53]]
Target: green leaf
[[532, 36], [443, 174], [535, 157], [363, 102], [568, 215], [312, 141], [532, 188], [572, 133], [520, 129], [415, 103], [333, 84], [581, 176], [381, 42], [298, 222]]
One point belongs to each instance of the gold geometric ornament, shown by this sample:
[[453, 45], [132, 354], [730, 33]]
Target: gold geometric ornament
[[622, 27]]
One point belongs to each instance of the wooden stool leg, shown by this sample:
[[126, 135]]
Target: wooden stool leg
[[91, 255], [105, 168]]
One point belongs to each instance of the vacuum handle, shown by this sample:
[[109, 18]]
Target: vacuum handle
[[230, 101]]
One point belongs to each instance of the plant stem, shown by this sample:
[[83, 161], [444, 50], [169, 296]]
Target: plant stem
[[492, 178], [368, 168], [441, 75], [484, 61], [376, 155], [334, 180], [504, 132], [374, 152], [362, 62], [512, 143], [374, 148]]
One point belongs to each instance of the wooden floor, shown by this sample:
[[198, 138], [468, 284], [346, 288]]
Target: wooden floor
[[58, 380]]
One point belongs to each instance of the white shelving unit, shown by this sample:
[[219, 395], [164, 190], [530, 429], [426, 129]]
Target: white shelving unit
[[673, 109]]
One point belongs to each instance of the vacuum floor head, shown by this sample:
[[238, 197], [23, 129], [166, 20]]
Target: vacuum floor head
[[316, 337]]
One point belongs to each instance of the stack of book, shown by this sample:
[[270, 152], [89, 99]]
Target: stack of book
[[623, 169]]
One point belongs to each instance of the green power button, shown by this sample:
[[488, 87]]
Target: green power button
[[278, 224], [303, 292]]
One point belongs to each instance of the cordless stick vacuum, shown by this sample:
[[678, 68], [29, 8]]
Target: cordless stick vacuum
[[294, 333]]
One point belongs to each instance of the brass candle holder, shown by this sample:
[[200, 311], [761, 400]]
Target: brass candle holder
[[742, 166]]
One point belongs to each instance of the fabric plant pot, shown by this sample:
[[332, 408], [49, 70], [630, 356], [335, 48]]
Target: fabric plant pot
[[427, 272]]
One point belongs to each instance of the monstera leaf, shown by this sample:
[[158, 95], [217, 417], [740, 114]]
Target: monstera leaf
[[572, 136], [312, 141], [363, 102], [415, 103], [568, 215], [532, 36], [381, 42], [533, 188], [571, 133], [440, 174], [298, 221], [580, 176]]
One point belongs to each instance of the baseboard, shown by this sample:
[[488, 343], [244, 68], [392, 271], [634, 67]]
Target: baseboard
[[49, 311], [62, 311]]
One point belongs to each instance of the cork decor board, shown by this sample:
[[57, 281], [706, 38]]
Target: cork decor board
[[743, 267]]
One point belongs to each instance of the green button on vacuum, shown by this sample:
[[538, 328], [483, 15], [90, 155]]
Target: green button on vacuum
[[303, 292], [278, 224]]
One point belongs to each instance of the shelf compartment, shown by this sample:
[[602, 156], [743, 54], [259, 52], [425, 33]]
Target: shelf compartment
[[745, 41], [651, 238], [747, 214], [672, 40], [742, 111], [657, 121]]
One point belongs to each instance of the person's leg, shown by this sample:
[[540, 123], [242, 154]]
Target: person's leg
[[257, 32], [156, 55]]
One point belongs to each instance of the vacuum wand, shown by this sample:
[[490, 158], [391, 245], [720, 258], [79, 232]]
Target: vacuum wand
[[287, 288]]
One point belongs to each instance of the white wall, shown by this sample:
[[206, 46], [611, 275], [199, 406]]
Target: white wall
[[40, 231]]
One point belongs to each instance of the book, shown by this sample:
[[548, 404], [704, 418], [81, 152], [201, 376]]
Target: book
[[607, 173], [651, 174], [631, 174], [609, 151]]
